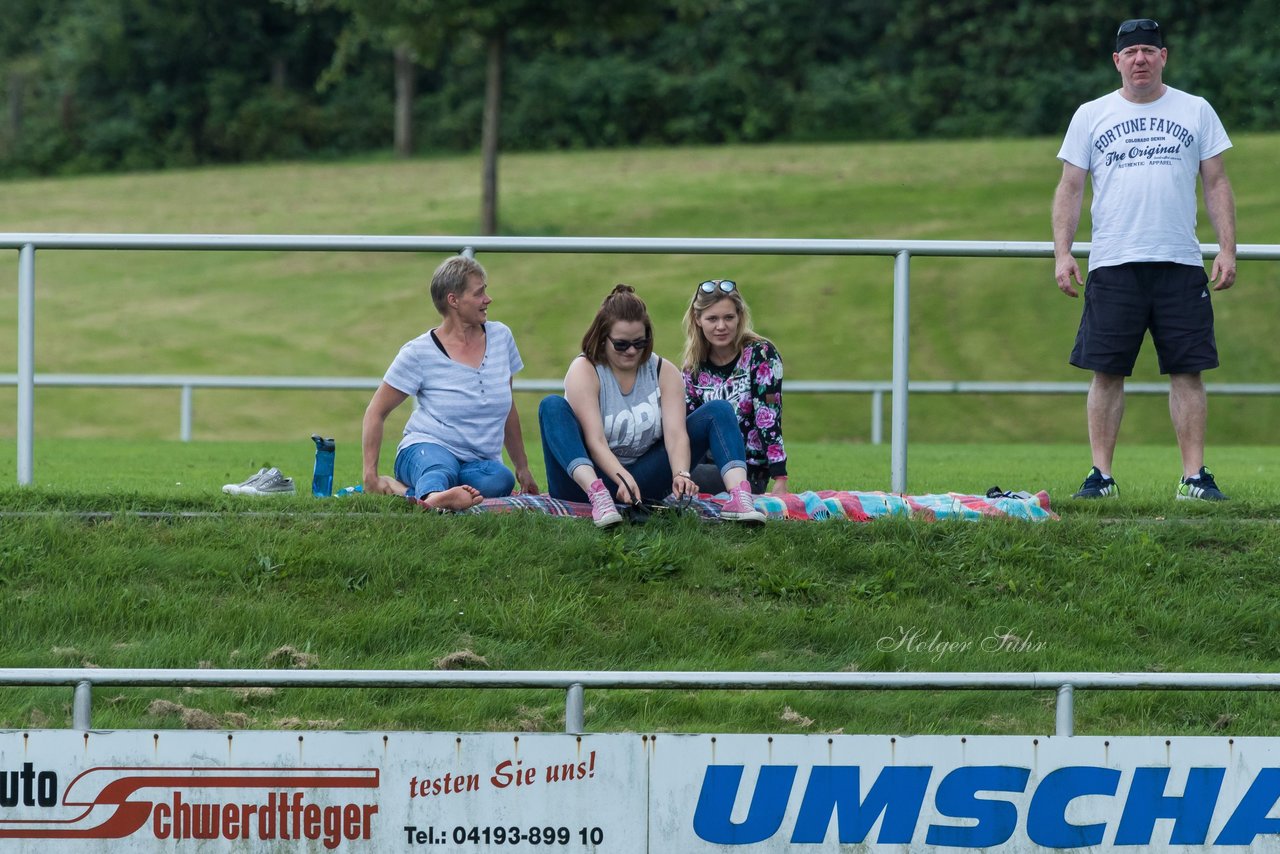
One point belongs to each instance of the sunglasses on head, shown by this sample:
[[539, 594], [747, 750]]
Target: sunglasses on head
[[623, 346], [725, 286], [1144, 24]]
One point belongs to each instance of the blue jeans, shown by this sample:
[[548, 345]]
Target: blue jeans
[[713, 426], [427, 468]]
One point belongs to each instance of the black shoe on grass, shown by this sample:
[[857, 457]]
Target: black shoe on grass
[[1097, 486], [1200, 488]]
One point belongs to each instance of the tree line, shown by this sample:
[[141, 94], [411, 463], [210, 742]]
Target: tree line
[[95, 85]]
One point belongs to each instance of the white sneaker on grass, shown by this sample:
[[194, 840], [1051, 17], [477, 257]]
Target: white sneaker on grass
[[234, 488], [270, 482]]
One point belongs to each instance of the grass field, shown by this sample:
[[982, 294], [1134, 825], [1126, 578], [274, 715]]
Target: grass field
[[346, 314], [1140, 583], [125, 554]]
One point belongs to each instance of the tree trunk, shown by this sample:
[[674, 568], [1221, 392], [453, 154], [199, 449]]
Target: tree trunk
[[489, 135], [279, 73], [404, 101], [17, 90], [67, 112]]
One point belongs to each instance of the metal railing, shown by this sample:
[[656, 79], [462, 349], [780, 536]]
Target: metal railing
[[900, 250], [877, 389], [575, 682]]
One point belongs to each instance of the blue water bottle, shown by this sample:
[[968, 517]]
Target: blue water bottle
[[322, 478]]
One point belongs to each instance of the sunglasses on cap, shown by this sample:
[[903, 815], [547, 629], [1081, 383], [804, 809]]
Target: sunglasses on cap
[[1144, 24], [623, 346], [725, 286]]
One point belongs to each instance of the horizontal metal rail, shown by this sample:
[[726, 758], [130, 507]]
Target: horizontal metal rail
[[573, 245], [574, 682], [876, 388]]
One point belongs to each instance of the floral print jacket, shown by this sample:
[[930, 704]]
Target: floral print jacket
[[753, 385]]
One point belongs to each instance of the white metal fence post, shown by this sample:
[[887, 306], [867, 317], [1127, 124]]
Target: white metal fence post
[[901, 349], [877, 417], [26, 362], [82, 706], [574, 714], [184, 427], [1065, 711]]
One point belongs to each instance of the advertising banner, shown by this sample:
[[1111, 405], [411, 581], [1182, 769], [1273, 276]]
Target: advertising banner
[[139, 791], [142, 791]]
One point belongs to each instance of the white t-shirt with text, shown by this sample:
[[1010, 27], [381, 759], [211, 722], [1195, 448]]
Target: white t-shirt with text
[[1143, 160]]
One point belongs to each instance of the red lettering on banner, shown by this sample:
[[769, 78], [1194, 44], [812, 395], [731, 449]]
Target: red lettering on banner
[[502, 777], [283, 817], [449, 784], [572, 770], [508, 773]]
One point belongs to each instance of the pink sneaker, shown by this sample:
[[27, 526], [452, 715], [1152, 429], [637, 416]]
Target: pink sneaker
[[741, 507], [603, 511]]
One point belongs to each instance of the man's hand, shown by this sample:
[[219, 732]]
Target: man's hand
[[1224, 271], [1065, 269]]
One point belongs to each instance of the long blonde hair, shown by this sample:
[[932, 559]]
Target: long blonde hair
[[697, 349]]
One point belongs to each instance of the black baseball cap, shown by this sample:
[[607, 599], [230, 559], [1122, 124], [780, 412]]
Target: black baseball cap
[[1138, 31]]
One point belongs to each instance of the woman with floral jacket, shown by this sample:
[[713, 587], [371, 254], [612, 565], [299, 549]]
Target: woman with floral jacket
[[724, 359]]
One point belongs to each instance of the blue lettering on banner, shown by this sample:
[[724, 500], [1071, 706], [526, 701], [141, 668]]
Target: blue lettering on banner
[[1147, 802], [768, 804], [957, 798], [897, 796], [1250, 818], [1047, 823]]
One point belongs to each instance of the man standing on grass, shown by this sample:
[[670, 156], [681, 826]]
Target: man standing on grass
[[1143, 146]]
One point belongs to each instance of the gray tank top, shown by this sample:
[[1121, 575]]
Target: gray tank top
[[632, 422]]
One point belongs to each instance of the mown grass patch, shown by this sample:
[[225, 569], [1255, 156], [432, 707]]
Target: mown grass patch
[[346, 314], [1139, 584]]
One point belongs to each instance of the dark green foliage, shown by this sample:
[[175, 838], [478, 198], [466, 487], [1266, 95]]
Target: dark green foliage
[[134, 84]]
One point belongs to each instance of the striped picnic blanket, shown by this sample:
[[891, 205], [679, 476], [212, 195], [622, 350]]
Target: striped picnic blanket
[[824, 505]]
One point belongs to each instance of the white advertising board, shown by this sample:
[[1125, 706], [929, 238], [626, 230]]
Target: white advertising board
[[139, 791]]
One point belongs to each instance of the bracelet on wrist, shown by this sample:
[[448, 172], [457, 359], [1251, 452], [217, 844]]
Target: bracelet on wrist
[[683, 474]]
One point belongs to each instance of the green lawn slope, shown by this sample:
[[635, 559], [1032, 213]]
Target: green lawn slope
[[125, 554], [345, 314]]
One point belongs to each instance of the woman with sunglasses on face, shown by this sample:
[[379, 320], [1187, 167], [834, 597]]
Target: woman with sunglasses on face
[[621, 430], [724, 359]]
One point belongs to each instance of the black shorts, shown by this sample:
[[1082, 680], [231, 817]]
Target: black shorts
[[1121, 303]]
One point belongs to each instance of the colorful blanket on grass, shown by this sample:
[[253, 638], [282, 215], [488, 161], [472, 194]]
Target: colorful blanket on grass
[[825, 505]]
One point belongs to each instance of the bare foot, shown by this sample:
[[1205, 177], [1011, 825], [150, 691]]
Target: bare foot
[[454, 498]]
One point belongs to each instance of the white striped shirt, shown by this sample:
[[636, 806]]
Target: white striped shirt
[[461, 408]]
